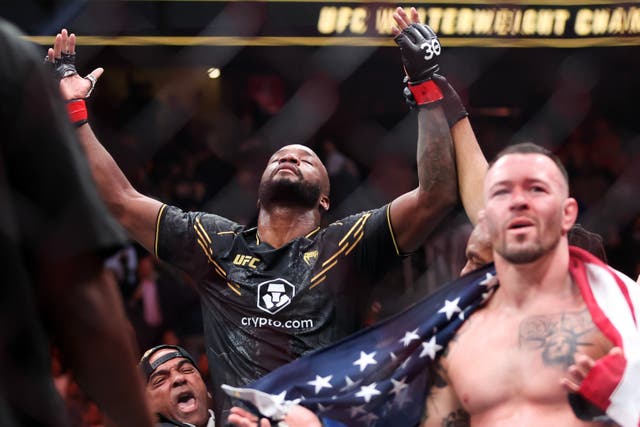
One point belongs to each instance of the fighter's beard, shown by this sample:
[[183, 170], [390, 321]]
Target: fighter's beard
[[291, 193], [526, 254]]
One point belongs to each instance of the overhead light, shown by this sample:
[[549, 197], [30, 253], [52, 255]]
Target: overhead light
[[214, 73]]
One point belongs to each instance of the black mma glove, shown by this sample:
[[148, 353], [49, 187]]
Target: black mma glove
[[452, 105], [419, 50], [64, 66]]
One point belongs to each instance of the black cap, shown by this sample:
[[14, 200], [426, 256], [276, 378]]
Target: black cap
[[148, 368]]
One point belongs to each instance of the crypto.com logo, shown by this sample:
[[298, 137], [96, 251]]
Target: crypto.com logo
[[274, 295]]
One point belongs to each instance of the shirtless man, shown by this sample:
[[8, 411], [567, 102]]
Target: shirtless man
[[536, 321]]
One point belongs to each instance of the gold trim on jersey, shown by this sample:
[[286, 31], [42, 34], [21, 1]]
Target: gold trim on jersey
[[320, 280], [393, 236], [235, 288], [155, 240], [321, 272], [205, 243], [312, 232], [356, 232]]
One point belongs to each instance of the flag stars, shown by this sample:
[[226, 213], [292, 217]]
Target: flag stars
[[402, 399], [365, 360], [280, 398], [406, 363], [367, 392], [450, 308], [430, 348], [409, 336], [354, 411], [488, 280], [398, 386], [350, 383], [321, 382]]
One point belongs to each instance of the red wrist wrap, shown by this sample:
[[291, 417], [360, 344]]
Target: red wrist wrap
[[426, 92], [77, 110]]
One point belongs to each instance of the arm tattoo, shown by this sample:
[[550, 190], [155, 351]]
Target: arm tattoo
[[457, 418], [558, 336]]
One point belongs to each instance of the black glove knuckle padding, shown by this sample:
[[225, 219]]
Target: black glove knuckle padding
[[419, 49], [64, 66]]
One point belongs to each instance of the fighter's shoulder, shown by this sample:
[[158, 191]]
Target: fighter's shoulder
[[360, 217], [205, 220]]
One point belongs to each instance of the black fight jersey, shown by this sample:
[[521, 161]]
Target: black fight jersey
[[264, 307]]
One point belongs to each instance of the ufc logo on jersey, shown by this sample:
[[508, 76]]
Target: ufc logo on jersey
[[431, 48], [246, 260], [274, 295]]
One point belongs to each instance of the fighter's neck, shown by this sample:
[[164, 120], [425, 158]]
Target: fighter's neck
[[279, 225], [546, 277]]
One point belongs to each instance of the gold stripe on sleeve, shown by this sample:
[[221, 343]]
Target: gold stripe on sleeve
[[360, 221], [393, 237], [234, 288], [312, 232], [354, 244], [201, 231], [324, 270], [320, 280], [155, 240], [207, 253]]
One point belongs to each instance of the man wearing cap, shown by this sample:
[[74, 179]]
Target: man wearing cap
[[175, 388]]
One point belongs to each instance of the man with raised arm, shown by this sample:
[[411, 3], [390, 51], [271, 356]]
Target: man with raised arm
[[274, 292], [542, 316]]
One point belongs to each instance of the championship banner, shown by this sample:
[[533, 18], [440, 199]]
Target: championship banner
[[541, 23]]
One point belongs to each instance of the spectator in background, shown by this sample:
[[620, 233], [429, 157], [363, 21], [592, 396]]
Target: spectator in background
[[175, 387], [55, 234], [145, 304]]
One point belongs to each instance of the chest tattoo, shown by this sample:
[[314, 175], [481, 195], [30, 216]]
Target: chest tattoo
[[558, 336]]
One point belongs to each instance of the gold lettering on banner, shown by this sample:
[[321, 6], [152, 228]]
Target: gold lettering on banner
[[561, 18], [342, 19], [448, 23], [433, 18], [634, 20], [483, 21], [465, 21], [327, 19], [584, 18], [600, 21], [607, 21], [359, 20], [489, 21], [384, 20]]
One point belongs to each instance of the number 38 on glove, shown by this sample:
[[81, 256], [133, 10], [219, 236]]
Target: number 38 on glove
[[420, 49]]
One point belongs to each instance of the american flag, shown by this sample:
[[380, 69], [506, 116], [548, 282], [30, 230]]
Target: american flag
[[380, 375]]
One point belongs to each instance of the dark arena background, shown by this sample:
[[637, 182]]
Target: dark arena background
[[196, 94]]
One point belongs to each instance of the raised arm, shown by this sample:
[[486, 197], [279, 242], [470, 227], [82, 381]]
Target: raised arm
[[136, 212], [415, 214], [471, 165]]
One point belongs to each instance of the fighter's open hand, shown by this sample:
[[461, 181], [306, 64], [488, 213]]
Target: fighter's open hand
[[62, 59], [419, 46], [579, 370], [403, 20]]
